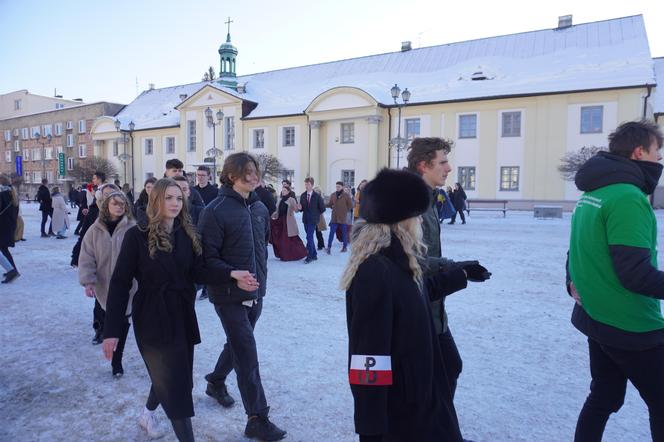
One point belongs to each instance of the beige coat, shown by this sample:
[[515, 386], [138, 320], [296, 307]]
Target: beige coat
[[99, 252], [291, 223], [340, 207], [60, 218]]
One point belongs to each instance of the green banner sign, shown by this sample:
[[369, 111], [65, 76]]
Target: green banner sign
[[61, 164]]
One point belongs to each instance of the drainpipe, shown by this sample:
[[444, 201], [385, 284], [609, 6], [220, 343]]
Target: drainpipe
[[389, 135], [645, 100]]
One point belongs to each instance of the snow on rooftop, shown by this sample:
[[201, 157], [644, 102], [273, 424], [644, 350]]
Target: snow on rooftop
[[605, 54]]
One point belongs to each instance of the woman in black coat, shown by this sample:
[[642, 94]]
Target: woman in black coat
[[165, 258], [396, 371], [8, 219], [459, 202]]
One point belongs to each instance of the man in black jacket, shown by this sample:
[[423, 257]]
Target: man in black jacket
[[46, 208], [312, 207], [234, 230], [207, 190]]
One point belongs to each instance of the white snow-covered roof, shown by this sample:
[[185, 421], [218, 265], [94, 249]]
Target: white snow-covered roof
[[599, 55], [658, 95]]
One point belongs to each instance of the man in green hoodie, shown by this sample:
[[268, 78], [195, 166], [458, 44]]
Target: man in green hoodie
[[614, 277]]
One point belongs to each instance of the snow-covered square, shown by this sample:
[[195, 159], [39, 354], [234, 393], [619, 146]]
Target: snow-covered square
[[525, 373]]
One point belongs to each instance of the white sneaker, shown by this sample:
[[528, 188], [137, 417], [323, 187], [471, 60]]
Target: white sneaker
[[148, 421]]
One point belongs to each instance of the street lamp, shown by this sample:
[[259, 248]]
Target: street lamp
[[48, 138], [124, 156], [214, 152], [398, 143]]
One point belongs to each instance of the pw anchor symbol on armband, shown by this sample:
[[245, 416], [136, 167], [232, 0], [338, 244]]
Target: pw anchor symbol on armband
[[370, 370]]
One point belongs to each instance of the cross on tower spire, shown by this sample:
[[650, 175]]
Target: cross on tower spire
[[228, 36]]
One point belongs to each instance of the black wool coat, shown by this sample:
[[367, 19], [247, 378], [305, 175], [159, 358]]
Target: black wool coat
[[234, 232], [88, 221], [163, 312], [8, 217], [389, 320], [44, 198]]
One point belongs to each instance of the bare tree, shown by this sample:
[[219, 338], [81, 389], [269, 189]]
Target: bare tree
[[209, 75], [271, 167], [85, 168], [572, 161]]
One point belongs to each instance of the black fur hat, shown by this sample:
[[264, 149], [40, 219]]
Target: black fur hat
[[394, 196]]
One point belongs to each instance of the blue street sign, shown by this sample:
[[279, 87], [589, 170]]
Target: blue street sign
[[19, 165]]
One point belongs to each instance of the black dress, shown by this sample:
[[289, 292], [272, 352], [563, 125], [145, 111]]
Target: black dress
[[396, 371], [163, 312]]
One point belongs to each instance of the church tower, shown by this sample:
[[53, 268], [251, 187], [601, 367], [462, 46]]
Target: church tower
[[227, 56]]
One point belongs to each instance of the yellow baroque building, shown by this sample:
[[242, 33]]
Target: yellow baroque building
[[513, 105]]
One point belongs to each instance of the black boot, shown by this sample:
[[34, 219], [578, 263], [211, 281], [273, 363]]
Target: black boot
[[116, 362], [183, 430], [10, 276], [218, 391], [260, 427]]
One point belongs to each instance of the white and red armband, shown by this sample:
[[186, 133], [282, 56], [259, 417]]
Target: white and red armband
[[370, 370]]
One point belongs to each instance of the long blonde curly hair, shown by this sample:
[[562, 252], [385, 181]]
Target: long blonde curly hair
[[368, 239], [158, 237]]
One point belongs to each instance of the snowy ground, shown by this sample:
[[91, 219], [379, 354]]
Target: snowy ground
[[525, 373]]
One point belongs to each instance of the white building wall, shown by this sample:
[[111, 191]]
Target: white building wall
[[510, 153], [290, 155], [466, 153], [577, 140], [203, 139], [148, 163], [347, 156]]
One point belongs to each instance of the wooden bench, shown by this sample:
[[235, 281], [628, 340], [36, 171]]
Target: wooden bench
[[493, 206], [544, 212]]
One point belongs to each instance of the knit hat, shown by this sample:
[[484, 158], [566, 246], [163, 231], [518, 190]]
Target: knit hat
[[394, 196]]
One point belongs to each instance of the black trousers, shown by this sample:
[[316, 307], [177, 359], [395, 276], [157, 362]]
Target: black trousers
[[319, 239], [45, 215], [8, 255], [610, 369], [240, 354], [98, 316], [451, 359], [460, 212]]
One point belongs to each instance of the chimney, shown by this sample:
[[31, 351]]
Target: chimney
[[78, 99], [406, 46], [151, 86], [183, 97], [564, 21], [241, 88]]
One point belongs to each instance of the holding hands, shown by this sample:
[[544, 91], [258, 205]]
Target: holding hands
[[245, 280]]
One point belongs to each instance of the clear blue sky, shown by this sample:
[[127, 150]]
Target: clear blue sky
[[97, 49]]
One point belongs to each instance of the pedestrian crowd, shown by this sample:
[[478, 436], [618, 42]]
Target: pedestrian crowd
[[143, 262]]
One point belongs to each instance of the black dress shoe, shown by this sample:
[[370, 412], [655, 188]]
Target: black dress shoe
[[260, 427], [43, 235], [98, 339], [118, 371], [10, 276]]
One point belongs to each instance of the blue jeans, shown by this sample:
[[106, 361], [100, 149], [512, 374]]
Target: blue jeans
[[333, 231], [311, 245]]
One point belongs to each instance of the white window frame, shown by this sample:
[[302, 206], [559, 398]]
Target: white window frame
[[81, 126], [36, 154], [412, 135], [258, 138], [169, 145], [506, 185], [8, 135], [148, 146], [48, 153], [47, 129], [34, 130], [70, 125], [8, 156], [59, 150], [70, 163], [17, 145], [467, 136], [191, 135], [229, 133], [58, 129], [25, 133], [288, 140], [510, 124], [82, 151], [464, 177], [591, 129], [70, 140], [347, 133], [348, 177], [17, 104], [26, 154]]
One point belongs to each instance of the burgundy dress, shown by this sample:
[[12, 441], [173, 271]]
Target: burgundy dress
[[285, 248]]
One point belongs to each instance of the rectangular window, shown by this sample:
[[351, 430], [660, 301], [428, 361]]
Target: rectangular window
[[70, 163], [347, 133], [16, 131], [509, 178], [38, 176], [25, 133], [170, 145], [81, 126], [47, 130], [289, 136], [8, 156], [59, 150], [348, 178], [58, 129], [34, 132], [70, 140], [59, 105], [8, 135], [48, 153], [511, 124], [288, 174], [149, 144], [229, 131], [36, 155], [191, 135], [591, 119], [115, 148], [412, 126], [26, 154], [259, 138], [17, 104], [70, 125], [81, 151], [49, 176], [467, 177], [468, 126], [17, 145]]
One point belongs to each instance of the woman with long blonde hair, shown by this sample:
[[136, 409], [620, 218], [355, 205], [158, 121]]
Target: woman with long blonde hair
[[164, 255], [396, 372]]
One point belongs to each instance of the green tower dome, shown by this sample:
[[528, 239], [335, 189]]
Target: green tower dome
[[227, 58]]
